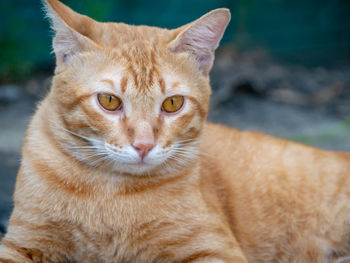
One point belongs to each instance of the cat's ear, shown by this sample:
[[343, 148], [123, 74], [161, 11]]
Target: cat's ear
[[202, 37], [71, 30]]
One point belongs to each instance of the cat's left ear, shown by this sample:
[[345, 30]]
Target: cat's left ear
[[73, 31], [202, 37]]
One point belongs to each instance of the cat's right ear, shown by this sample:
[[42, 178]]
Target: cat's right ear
[[71, 30], [201, 37]]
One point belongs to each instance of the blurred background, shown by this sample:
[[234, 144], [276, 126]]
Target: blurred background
[[283, 67]]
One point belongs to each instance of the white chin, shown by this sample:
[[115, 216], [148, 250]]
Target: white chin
[[135, 169]]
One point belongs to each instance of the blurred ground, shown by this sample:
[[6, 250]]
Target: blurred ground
[[251, 91], [308, 105]]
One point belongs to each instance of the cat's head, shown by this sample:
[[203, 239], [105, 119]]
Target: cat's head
[[131, 99]]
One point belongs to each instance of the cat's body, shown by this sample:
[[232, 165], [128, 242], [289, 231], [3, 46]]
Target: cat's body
[[286, 202], [119, 164]]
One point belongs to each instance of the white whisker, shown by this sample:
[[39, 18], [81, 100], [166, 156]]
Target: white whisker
[[84, 147], [81, 136]]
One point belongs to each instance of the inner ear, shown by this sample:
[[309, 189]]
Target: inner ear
[[202, 37], [73, 32]]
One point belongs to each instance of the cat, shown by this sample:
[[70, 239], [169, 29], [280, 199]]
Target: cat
[[120, 165]]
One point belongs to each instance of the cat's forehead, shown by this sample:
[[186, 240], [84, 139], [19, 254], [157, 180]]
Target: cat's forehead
[[140, 63], [128, 81], [140, 67], [119, 34]]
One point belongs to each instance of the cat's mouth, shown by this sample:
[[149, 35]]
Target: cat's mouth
[[98, 153], [112, 158]]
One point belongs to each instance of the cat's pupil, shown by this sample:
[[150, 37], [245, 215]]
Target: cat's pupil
[[172, 100], [110, 99]]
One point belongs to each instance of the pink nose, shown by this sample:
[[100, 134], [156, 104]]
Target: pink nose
[[143, 147]]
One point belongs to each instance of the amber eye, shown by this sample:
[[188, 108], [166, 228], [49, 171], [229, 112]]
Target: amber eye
[[173, 104], [109, 102]]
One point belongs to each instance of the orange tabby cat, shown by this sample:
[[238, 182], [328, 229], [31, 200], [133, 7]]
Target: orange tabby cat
[[119, 164]]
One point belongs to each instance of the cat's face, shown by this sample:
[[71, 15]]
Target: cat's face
[[131, 99], [127, 115]]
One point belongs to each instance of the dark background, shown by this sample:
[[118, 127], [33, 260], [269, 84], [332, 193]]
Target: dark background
[[282, 68], [309, 32]]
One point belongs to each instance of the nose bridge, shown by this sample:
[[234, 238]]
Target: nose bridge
[[141, 120], [143, 140], [143, 130]]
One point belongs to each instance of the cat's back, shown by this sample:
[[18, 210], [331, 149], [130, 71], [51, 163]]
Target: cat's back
[[281, 198], [245, 152]]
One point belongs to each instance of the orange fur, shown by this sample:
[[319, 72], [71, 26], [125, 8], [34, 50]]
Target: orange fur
[[220, 195]]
